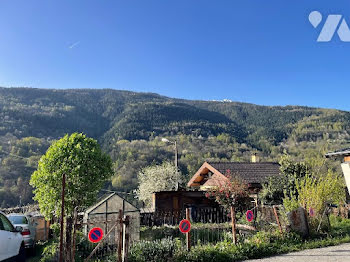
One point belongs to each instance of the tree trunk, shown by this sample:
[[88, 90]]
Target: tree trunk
[[69, 228]]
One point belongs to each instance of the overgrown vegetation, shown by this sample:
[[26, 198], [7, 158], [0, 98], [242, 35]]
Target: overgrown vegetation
[[284, 186], [260, 245]]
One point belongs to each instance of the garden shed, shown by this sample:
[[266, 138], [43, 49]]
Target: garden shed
[[105, 214]]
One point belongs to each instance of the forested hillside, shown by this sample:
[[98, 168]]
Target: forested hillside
[[130, 126]]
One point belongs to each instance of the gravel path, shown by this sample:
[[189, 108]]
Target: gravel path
[[339, 253]]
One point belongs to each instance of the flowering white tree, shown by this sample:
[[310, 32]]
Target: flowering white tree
[[157, 178]]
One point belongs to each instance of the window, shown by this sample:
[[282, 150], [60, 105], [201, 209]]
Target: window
[[18, 220], [6, 224]]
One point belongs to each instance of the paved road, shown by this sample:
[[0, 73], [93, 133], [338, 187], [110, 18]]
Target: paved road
[[339, 253]]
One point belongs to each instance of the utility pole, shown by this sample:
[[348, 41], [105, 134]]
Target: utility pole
[[62, 217], [176, 159], [176, 164]]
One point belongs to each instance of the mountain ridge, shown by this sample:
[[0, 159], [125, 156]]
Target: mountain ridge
[[129, 126]]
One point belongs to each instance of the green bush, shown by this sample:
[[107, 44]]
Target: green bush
[[157, 233], [83, 247], [201, 233], [339, 226], [49, 253], [204, 254], [153, 251]]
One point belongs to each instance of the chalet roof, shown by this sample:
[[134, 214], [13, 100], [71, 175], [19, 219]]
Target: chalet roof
[[249, 172], [342, 152]]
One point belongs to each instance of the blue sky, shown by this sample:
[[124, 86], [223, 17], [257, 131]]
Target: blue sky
[[262, 52]]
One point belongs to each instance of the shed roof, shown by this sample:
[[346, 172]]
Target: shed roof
[[104, 199]]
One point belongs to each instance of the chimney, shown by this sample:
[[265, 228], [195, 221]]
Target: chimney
[[255, 158]]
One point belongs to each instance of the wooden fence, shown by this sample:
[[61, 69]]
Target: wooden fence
[[197, 215]]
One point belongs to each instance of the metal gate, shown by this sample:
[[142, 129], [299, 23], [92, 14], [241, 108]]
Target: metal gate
[[115, 242]]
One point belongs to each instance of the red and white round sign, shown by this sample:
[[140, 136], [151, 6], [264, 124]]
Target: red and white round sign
[[95, 235], [185, 226], [250, 215]]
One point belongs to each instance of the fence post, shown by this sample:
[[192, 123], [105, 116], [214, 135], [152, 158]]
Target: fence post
[[256, 210], [120, 242], [277, 219], [233, 221], [126, 238], [188, 234]]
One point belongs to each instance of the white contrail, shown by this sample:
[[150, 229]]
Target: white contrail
[[74, 45]]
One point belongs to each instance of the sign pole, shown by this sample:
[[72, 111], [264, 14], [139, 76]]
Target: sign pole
[[188, 236], [62, 217], [185, 227]]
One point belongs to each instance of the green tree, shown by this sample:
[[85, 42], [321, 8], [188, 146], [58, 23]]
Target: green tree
[[232, 192], [157, 178], [277, 187], [86, 169]]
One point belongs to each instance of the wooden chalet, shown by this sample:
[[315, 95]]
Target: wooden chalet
[[212, 174], [176, 201]]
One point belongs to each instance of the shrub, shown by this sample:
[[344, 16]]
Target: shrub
[[153, 251], [316, 192], [157, 233], [49, 253], [204, 254]]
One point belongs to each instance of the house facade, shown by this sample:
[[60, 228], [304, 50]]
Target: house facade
[[175, 201]]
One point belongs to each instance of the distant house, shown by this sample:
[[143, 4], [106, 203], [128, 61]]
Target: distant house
[[345, 165], [215, 173]]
